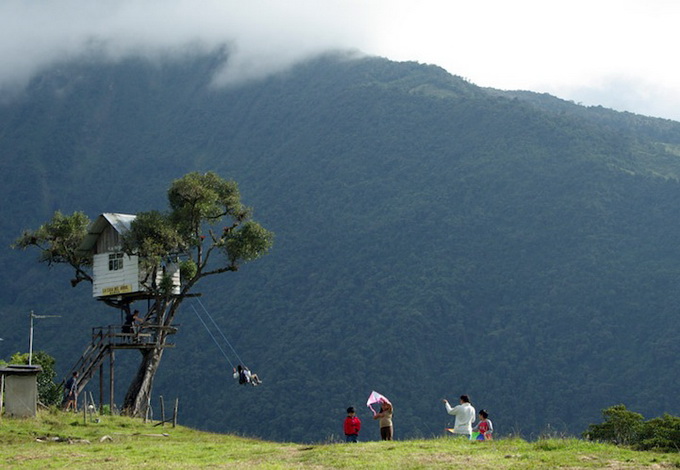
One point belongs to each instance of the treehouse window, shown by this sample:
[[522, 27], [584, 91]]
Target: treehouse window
[[115, 261]]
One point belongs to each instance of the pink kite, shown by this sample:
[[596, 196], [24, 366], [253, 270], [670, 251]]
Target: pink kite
[[374, 398]]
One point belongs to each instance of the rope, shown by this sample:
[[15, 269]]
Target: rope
[[220, 332], [213, 337]]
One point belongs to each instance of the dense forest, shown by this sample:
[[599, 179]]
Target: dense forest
[[432, 238]]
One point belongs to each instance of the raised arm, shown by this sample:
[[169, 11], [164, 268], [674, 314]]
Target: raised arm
[[449, 408]]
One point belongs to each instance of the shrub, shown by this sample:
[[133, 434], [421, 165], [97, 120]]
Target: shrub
[[621, 426], [624, 427], [661, 434]]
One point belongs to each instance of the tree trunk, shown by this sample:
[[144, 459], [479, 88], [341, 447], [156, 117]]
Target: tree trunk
[[139, 392], [137, 398]]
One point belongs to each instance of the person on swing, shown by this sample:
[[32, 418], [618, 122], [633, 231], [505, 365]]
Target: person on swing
[[244, 376]]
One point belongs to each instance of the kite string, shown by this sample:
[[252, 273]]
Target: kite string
[[213, 337], [220, 332]]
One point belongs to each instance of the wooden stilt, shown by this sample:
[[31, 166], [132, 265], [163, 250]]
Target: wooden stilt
[[162, 411], [112, 361], [2, 392], [101, 388], [84, 405]]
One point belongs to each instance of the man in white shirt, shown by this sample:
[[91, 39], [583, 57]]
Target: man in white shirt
[[465, 416]]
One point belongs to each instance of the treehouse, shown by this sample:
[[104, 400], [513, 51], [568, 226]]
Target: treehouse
[[114, 273]]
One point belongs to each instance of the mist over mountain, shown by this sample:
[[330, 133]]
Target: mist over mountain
[[433, 238]]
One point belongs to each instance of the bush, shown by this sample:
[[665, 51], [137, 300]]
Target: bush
[[621, 426], [624, 427], [661, 434]]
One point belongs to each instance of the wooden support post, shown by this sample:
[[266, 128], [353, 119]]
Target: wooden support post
[[2, 392], [174, 413], [112, 360], [101, 387], [84, 403], [162, 411], [148, 414]]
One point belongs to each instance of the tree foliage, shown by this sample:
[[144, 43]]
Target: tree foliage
[[198, 198], [58, 241], [153, 237], [620, 426], [624, 427], [206, 219], [662, 433]]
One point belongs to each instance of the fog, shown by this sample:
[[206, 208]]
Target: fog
[[618, 54], [262, 37]]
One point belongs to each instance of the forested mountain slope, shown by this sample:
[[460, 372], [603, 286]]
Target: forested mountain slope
[[433, 238]]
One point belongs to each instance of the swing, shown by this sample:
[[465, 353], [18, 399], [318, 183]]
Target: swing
[[241, 372]]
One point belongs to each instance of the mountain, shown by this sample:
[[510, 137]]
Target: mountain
[[433, 238]]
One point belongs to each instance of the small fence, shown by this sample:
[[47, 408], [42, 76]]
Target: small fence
[[90, 413]]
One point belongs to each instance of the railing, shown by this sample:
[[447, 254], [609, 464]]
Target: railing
[[106, 338], [136, 336], [91, 358], [119, 336]]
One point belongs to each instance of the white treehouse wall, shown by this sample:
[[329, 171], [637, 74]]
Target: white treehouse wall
[[115, 274], [171, 269]]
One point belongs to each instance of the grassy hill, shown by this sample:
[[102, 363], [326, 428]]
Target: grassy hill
[[63, 440]]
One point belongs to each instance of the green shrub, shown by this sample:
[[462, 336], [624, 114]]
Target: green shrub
[[661, 434], [624, 427], [621, 426]]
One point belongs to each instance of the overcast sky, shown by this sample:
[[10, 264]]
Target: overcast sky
[[620, 54]]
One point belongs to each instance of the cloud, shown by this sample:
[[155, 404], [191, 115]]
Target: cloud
[[625, 93], [262, 36], [575, 48]]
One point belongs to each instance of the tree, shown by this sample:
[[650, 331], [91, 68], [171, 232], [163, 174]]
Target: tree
[[662, 433], [58, 241], [621, 426], [207, 230], [624, 427]]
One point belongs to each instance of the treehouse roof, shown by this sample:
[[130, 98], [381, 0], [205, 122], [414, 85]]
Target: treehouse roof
[[20, 369], [119, 222]]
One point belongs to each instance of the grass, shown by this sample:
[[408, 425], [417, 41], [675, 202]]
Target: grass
[[120, 443]]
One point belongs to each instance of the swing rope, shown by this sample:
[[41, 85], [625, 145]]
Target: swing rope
[[213, 337], [220, 332]]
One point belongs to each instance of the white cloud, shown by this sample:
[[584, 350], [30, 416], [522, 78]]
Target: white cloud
[[542, 45], [625, 94], [575, 49], [264, 36]]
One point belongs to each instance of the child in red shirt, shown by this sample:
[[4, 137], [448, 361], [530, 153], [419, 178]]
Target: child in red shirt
[[484, 427], [352, 426]]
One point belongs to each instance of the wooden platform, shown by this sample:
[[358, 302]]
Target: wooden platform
[[112, 336]]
